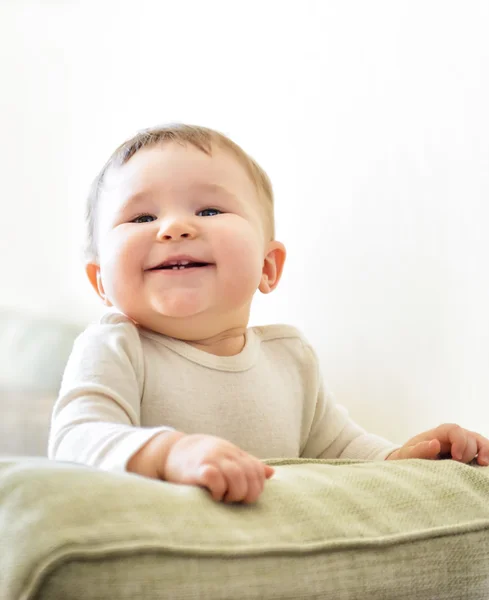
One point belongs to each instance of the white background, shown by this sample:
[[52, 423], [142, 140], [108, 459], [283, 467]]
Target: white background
[[371, 119]]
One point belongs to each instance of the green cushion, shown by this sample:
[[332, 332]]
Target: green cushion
[[322, 529]]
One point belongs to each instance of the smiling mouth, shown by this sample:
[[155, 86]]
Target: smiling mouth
[[179, 265]]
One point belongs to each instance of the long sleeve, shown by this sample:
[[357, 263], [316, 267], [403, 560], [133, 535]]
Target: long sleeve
[[333, 434], [96, 418]]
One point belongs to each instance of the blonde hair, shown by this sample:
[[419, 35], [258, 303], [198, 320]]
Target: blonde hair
[[200, 137]]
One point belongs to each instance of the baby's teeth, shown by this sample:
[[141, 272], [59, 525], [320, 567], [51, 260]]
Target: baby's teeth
[[178, 264]]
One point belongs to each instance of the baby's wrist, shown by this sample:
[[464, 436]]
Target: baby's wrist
[[162, 448], [150, 459]]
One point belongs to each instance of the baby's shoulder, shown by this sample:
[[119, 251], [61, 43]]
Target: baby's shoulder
[[112, 329], [114, 317], [278, 331], [282, 336], [109, 348]]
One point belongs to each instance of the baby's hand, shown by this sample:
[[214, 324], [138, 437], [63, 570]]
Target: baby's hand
[[229, 473], [448, 439]]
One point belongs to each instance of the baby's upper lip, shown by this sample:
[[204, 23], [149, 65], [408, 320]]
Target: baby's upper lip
[[178, 258]]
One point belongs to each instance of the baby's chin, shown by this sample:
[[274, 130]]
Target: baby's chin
[[182, 305], [185, 323], [188, 317], [179, 318]]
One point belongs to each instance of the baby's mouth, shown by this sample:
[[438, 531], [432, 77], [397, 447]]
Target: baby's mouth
[[179, 265]]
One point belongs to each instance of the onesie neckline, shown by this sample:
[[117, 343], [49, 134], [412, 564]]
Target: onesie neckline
[[238, 362]]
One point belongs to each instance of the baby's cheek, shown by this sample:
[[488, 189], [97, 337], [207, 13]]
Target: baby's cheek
[[242, 243], [243, 269], [121, 271]]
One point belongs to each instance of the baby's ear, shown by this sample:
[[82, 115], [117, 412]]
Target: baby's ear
[[272, 267], [93, 273]]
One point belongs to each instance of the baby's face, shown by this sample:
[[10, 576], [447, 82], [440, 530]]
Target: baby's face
[[181, 237]]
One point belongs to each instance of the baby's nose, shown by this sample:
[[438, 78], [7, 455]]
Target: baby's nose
[[167, 236], [176, 231]]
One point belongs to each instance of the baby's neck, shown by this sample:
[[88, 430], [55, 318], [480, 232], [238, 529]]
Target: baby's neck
[[226, 343]]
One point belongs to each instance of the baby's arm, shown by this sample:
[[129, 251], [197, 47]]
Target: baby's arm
[[331, 433], [96, 421], [334, 434]]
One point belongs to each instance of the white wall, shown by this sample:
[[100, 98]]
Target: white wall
[[370, 117]]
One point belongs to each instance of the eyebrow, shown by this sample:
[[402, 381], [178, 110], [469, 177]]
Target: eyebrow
[[138, 197], [132, 201], [212, 187]]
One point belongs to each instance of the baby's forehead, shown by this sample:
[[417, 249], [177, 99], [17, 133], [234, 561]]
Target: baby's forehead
[[177, 165]]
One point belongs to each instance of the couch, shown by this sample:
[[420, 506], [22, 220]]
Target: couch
[[33, 353], [345, 530]]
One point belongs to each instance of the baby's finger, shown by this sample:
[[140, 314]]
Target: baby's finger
[[237, 483], [256, 479], [470, 451], [211, 478], [269, 471], [458, 439], [482, 449], [428, 450]]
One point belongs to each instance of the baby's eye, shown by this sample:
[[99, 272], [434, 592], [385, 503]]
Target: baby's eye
[[144, 219], [209, 212]]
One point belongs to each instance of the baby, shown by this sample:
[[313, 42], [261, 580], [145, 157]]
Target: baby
[[172, 383]]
